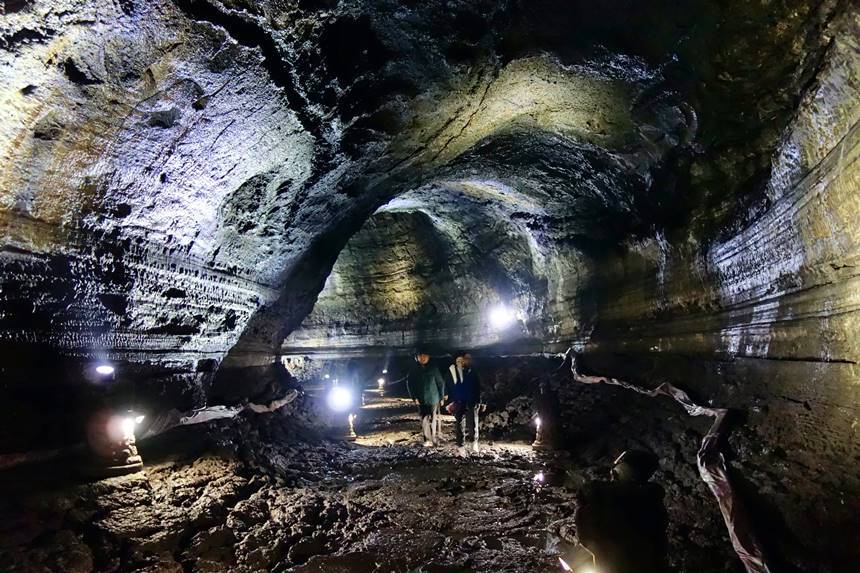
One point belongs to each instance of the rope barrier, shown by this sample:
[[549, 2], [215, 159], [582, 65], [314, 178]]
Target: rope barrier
[[710, 461]]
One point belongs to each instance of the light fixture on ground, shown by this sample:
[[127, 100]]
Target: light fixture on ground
[[339, 399], [128, 424], [113, 445], [104, 369], [501, 317], [351, 435], [538, 444]]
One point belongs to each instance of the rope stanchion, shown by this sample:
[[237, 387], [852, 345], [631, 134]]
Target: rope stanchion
[[710, 461]]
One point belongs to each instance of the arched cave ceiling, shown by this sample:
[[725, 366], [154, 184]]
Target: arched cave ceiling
[[181, 176], [195, 189]]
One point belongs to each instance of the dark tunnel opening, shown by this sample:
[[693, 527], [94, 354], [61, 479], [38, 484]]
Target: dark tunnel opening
[[324, 286]]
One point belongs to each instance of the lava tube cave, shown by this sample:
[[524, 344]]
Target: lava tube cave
[[443, 286]]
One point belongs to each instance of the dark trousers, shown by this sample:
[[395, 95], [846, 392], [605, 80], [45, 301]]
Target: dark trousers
[[467, 413]]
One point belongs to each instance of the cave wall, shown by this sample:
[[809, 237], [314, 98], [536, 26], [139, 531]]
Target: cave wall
[[182, 175], [430, 273], [766, 322], [670, 188], [180, 179]]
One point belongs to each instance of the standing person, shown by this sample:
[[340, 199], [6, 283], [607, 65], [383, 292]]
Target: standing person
[[465, 392], [426, 388]]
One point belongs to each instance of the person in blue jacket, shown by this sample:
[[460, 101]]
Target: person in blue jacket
[[465, 393]]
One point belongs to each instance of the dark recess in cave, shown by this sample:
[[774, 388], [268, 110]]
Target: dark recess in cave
[[232, 229]]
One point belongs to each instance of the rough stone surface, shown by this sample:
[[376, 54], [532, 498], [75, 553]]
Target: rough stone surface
[[192, 187], [271, 502], [182, 175]]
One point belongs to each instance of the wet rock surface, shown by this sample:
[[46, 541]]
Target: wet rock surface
[[323, 507], [381, 504], [182, 175], [192, 187]]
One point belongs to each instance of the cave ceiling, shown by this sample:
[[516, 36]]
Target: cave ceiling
[[208, 208], [181, 175]]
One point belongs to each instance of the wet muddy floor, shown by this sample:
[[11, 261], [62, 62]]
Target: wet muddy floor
[[382, 503]]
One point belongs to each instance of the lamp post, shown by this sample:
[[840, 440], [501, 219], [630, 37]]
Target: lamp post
[[341, 400], [539, 444], [114, 448], [351, 435]]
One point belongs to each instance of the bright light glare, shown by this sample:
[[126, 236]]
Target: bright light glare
[[105, 369], [127, 426], [588, 570], [537, 422], [539, 477], [381, 381], [501, 317], [385, 370], [138, 420], [564, 565], [326, 376], [339, 399]]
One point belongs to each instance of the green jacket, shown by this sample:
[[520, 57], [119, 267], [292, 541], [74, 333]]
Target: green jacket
[[426, 384]]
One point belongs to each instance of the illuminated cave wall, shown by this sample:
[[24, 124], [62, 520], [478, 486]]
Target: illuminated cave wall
[[429, 267], [766, 321], [671, 188], [180, 178]]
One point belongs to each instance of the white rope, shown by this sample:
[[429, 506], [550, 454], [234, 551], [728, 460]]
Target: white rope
[[710, 461]]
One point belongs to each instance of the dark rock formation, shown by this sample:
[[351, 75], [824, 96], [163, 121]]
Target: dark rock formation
[[192, 189], [272, 502]]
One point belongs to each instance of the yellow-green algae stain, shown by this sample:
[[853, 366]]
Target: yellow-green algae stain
[[534, 92]]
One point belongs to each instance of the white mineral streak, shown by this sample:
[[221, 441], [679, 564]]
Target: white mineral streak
[[830, 111], [778, 256]]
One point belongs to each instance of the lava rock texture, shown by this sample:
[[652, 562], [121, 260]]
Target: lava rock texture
[[277, 498], [193, 189]]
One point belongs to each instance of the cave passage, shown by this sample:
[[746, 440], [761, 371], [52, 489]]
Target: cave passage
[[239, 239]]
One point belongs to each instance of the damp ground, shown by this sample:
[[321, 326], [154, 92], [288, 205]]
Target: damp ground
[[381, 503]]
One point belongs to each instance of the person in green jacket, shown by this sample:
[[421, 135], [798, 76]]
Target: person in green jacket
[[427, 389]]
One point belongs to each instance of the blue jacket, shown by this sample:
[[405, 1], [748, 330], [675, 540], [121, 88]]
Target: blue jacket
[[466, 391]]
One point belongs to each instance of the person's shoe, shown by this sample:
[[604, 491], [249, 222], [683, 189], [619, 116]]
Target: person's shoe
[[476, 448], [428, 444], [461, 451]]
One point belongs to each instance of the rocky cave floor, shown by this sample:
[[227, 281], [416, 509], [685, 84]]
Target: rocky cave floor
[[306, 503]]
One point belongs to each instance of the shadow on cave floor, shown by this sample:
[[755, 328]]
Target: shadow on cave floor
[[269, 493], [389, 421], [259, 499]]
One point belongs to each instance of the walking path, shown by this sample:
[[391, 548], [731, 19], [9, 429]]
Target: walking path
[[280, 503], [487, 512]]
